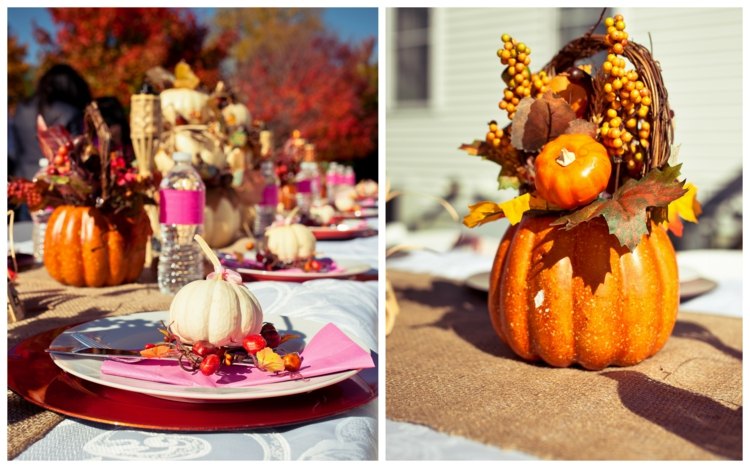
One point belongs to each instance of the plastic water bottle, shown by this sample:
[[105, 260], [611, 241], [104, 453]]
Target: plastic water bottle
[[349, 178], [40, 218], [308, 186], [182, 196], [265, 211], [331, 182]]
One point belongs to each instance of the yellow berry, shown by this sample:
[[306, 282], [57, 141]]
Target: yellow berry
[[631, 123], [609, 22], [638, 157], [620, 25], [646, 101], [493, 127], [617, 48], [505, 38], [642, 111], [496, 142], [615, 122]]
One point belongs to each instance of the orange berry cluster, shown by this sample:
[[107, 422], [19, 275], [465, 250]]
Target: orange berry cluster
[[494, 135], [518, 78], [625, 128]]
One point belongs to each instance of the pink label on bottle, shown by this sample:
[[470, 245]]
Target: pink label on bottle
[[181, 206], [304, 186], [270, 196]]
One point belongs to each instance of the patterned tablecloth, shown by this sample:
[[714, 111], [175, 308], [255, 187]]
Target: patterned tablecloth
[[408, 441], [352, 305]]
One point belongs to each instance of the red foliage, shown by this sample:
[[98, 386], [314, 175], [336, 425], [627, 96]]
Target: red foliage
[[324, 88], [113, 47]]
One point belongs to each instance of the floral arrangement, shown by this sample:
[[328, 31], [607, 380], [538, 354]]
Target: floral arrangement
[[585, 144], [83, 171]]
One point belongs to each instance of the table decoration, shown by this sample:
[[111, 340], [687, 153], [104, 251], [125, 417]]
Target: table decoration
[[586, 274], [97, 234]]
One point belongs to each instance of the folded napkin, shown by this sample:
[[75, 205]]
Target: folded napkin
[[328, 352]]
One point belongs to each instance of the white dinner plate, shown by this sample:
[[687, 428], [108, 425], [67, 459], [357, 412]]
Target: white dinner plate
[[347, 269], [691, 284], [134, 331]]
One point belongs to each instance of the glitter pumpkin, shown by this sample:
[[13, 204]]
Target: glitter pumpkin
[[578, 297]]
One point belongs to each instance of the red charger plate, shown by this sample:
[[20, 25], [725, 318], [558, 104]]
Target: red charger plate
[[328, 233], [33, 376]]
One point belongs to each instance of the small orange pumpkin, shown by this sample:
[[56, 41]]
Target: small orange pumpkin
[[85, 247], [572, 170], [577, 296]]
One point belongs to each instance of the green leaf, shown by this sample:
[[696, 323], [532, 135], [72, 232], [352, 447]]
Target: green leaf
[[626, 212], [507, 179]]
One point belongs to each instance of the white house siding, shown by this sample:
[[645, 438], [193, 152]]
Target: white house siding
[[700, 53]]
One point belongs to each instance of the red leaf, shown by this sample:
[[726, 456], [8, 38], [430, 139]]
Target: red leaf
[[625, 212]]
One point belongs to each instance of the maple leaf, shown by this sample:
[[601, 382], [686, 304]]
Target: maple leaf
[[626, 212], [267, 360], [539, 120], [486, 211]]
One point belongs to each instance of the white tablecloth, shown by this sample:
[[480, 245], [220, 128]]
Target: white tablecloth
[[351, 305], [406, 441]]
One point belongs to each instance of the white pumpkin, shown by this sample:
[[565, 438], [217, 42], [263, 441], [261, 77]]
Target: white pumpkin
[[236, 114], [222, 219], [219, 309], [344, 199], [323, 214], [190, 104], [367, 189], [290, 242]]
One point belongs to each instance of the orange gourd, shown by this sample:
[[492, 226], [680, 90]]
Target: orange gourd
[[85, 247], [572, 170], [577, 296]]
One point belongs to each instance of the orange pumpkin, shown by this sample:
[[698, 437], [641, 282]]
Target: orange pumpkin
[[572, 170], [85, 247], [577, 296]]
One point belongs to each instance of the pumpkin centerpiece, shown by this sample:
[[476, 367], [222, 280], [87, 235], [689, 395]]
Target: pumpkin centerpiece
[[586, 273], [98, 232]]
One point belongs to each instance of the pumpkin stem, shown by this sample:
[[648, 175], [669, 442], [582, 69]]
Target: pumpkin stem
[[209, 254], [565, 158], [290, 216]]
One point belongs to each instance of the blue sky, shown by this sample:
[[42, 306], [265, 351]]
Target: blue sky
[[351, 24]]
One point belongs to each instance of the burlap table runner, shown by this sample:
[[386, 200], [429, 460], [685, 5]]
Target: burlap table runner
[[447, 369], [49, 305]]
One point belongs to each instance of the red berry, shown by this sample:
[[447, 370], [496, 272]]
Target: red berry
[[292, 362], [203, 348], [210, 364], [314, 265], [253, 343], [149, 346], [268, 326]]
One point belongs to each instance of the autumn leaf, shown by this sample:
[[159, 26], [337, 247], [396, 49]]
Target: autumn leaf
[[159, 351], [267, 360], [289, 336], [581, 127], [625, 212], [486, 211], [686, 207], [540, 120], [184, 76]]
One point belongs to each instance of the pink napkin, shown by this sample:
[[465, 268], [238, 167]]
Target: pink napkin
[[329, 351]]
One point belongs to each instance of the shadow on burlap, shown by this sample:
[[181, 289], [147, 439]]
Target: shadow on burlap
[[447, 369], [49, 305]]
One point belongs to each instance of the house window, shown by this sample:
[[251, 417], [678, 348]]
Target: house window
[[412, 56]]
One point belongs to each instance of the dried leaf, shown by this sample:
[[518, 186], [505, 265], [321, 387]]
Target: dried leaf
[[625, 212], [184, 76], [159, 351], [269, 361], [540, 120], [686, 207], [486, 211], [288, 337], [581, 127]]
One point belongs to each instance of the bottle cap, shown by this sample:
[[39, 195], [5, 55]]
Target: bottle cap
[[180, 156]]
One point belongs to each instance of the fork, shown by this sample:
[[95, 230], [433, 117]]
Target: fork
[[89, 341]]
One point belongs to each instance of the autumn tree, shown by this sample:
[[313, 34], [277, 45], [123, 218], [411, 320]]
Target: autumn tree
[[114, 47], [18, 69], [292, 74]]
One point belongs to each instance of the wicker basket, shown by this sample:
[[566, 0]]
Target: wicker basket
[[662, 135]]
